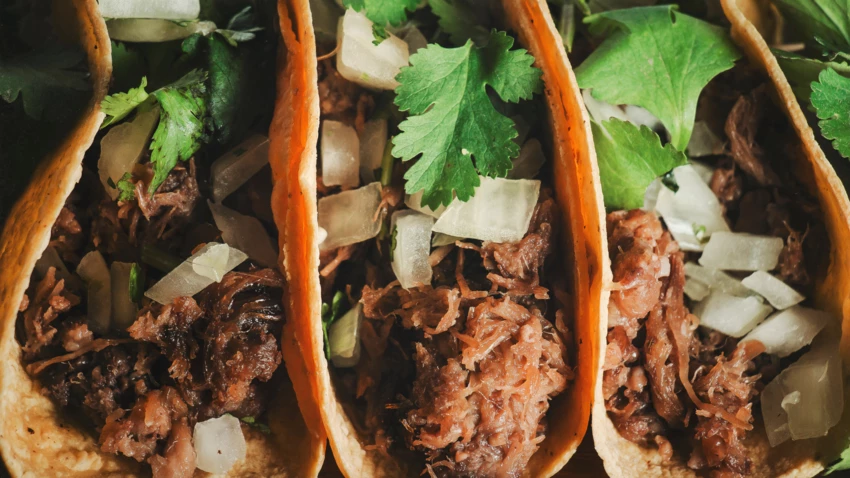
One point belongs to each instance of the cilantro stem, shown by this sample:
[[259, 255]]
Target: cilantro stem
[[387, 162], [159, 259]]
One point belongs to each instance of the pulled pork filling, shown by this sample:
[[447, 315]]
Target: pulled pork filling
[[667, 382]]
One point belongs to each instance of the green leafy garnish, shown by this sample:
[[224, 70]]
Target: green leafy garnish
[[802, 71], [128, 65], [825, 20], [460, 21], [331, 313], [253, 423], [831, 100], [700, 232], [125, 187], [452, 120], [629, 159], [119, 105], [137, 282], [659, 59], [380, 34], [226, 85], [393, 242], [42, 78], [842, 464], [383, 12]]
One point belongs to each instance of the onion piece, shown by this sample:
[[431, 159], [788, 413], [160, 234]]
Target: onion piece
[[124, 309], [414, 201], [50, 258], [350, 216], [440, 239], [600, 110], [500, 211], [344, 338], [164, 9], [717, 280], [193, 275], [779, 294], [704, 142], [807, 398], [238, 165], [245, 233], [340, 155], [372, 144], [639, 116], [650, 197], [789, 330], [122, 147], [696, 290], [529, 161], [692, 213], [361, 61], [741, 252], [219, 444], [139, 30], [95, 274], [411, 247], [734, 316]]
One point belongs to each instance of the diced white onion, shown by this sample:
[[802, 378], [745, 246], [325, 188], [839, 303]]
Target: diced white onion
[[412, 242], [734, 316], [344, 338], [206, 266], [414, 201], [164, 9], [361, 61], [321, 235], [789, 330], [350, 216], [807, 398], [373, 140], [95, 274], [779, 294], [238, 165], [500, 211], [741, 252], [414, 38], [124, 310], [154, 30], [717, 280], [642, 117], [219, 444], [245, 233], [696, 290], [704, 142], [600, 110], [122, 147], [692, 213], [529, 161], [340, 155]]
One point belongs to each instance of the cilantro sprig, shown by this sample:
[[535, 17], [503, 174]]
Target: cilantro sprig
[[831, 100], [454, 129], [383, 12], [42, 78]]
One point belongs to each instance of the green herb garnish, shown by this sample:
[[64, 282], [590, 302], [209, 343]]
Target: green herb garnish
[[137, 282], [380, 33], [830, 96], [125, 187], [383, 12], [253, 423], [42, 78], [331, 313], [119, 105]]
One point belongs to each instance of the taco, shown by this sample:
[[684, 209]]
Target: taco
[[443, 294], [723, 228], [142, 307]]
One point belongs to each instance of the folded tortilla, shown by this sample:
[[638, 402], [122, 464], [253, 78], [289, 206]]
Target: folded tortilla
[[37, 438], [832, 285], [585, 262]]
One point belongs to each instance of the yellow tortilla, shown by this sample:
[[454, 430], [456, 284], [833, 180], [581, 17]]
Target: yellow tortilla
[[804, 458], [36, 437], [577, 192]]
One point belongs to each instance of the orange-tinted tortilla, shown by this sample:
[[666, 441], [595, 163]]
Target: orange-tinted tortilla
[[584, 260], [36, 437], [803, 458]]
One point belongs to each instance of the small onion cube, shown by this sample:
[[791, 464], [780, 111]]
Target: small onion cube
[[344, 338], [412, 240], [529, 161], [807, 398], [741, 252], [124, 310], [789, 330], [219, 444], [95, 274], [238, 165], [693, 212], [734, 316], [206, 266], [123, 146], [717, 280], [152, 30], [245, 233], [696, 290], [779, 294], [340, 155], [500, 211], [361, 61], [350, 216], [164, 9], [373, 140], [414, 201], [704, 142]]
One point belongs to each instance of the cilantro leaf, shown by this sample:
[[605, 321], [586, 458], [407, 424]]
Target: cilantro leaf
[[181, 124], [460, 21], [379, 33], [831, 99], [842, 464], [253, 423], [453, 121], [226, 85], [331, 313], [659, 59], [125, 188], [41, 78], [128, 65], [827, 20], [119, 105], [383, 12], [802, 71], [629, 159]]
